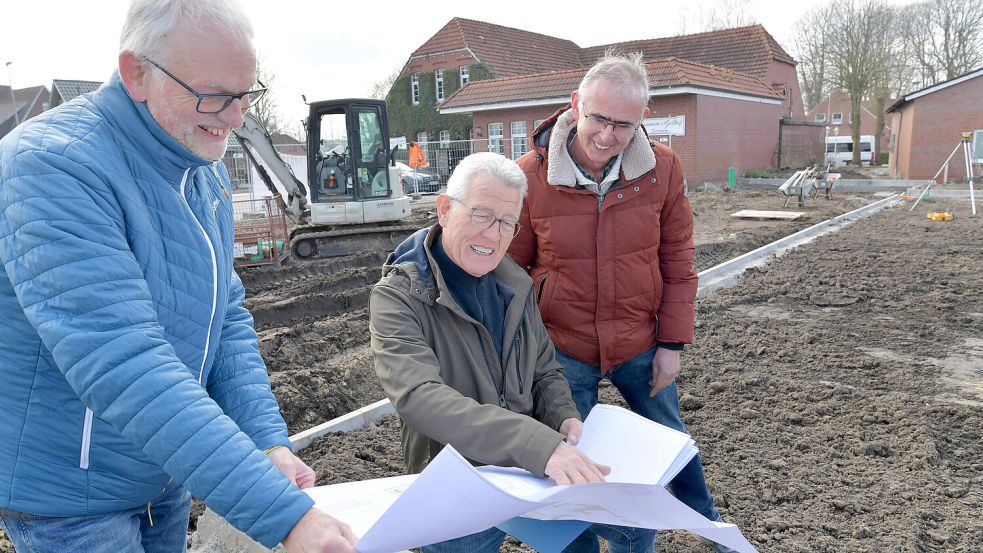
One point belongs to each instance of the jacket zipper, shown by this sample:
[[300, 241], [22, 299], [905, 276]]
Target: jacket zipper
[[542, 286], [86, 440], [211, 250]]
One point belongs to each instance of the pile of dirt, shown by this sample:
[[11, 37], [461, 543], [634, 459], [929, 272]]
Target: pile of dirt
[[834, 393]]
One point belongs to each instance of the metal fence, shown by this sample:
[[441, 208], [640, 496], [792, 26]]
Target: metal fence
[[261, 236], [442, 157]]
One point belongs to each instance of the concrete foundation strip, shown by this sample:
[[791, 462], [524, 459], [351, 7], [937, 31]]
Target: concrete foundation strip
[[214, 535]]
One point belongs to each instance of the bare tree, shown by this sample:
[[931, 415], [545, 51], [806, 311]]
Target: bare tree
[[724, 14], [265, 111], [811, 49], [956, 40], [943, 38], [380, 89], [860, 52]]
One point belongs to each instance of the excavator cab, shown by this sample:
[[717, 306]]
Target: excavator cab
[[359, 171]]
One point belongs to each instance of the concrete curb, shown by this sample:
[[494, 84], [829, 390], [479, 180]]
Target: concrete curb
[[729, 272]]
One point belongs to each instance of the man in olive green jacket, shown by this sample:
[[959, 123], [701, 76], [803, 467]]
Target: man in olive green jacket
[[460, 348]]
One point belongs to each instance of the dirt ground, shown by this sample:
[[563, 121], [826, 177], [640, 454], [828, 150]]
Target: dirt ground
[[312, 317], [836, 394]]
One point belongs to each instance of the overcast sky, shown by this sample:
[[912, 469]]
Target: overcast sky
[[315, 47]]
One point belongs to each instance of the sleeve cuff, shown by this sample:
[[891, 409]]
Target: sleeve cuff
[[674, 346]]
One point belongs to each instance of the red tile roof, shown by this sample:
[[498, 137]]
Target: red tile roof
[[508, 51], [663, 73], [512, 52], [745, 49]]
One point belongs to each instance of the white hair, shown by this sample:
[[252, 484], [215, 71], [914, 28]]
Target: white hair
[[626, 71], [149, 22], [495, 165]]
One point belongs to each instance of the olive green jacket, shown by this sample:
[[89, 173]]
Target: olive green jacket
[[442, 373]]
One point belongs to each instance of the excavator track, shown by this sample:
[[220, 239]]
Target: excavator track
[[311, 243]]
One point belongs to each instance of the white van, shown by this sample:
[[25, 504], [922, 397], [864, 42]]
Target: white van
[[839, 149]]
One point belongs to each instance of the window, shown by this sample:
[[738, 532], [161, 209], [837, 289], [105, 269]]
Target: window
[[465, 77], [495, 134], [518, 138], [978, 146], [445, 139], [421, 138], [415, 88], [837, 119], [850, 118], [438, 77], [820, 118]]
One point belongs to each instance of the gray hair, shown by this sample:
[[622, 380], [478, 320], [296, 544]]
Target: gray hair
[[495, 165], [149, 22], [626, 71]]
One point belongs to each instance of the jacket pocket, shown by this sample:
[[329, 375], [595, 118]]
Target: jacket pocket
[[546, 289], [86, 440]]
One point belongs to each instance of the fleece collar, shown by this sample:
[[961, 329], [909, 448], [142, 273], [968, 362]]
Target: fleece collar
[[637, 158]]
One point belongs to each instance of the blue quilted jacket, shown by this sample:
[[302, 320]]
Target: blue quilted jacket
[[127, 358]]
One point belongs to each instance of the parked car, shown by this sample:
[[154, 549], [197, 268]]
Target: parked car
[[417, 181]]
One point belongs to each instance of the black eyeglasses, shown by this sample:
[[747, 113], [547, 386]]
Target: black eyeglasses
[[216, 102], [622, 128], [482, 218]]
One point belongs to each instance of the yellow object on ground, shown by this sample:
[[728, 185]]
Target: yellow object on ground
[[940, 215]]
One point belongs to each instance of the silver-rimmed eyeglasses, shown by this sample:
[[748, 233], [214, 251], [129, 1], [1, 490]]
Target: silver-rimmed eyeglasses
[[484, 219]]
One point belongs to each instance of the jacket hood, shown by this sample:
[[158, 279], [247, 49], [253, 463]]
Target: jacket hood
[[133, 120], [550, 141]]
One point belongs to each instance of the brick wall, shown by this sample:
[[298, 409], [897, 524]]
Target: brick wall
[[802, 144], [733, 133], [936, 121], [839, 102]]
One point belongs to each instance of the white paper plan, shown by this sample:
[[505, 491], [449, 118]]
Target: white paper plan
[[451, 498]]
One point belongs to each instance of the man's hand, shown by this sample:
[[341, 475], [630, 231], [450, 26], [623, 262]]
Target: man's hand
[[318, 532], [569, 465], [291, 466], [572, 428], [665, 367]]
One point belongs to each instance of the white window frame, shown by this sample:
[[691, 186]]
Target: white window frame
[[978, 146], [820, 118], [465, 75], [422, 138], [836, 119], [438, 81], [445, 139], [415, 88], [496, 138], [518, 139], [849, 118]]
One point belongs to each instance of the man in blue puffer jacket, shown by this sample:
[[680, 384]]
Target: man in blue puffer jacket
[[130, 369]]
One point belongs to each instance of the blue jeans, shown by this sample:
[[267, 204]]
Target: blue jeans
[[488, 541], [121, 532], [631, 378]]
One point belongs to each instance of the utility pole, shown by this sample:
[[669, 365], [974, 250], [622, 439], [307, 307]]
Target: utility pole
[[13, 99]]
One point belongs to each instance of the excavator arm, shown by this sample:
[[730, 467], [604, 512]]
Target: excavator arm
[[257, 142]]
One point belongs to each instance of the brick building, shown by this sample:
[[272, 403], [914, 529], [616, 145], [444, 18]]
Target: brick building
[[927, 126], [713, 118], [836, 113], [466, 51], [24, 103], [63, 90]]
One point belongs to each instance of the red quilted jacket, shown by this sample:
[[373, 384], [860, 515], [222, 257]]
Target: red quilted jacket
[[616, 277]]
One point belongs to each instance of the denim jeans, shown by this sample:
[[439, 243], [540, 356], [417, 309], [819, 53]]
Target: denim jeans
[[488, 541], [631, 378], [120, 532]]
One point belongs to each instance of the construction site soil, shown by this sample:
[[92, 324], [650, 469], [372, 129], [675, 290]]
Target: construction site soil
[[836, 394]]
